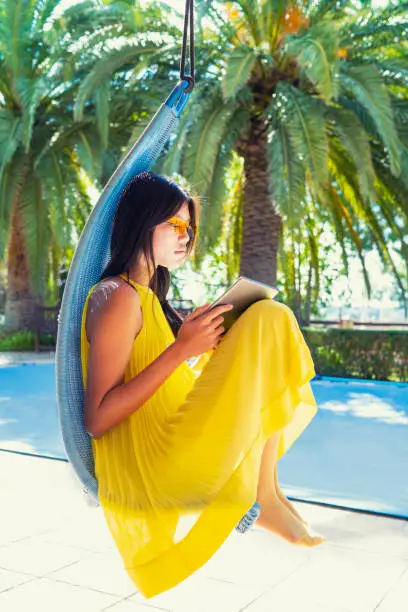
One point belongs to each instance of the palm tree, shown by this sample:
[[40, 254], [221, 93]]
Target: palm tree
[[41, 185], [312, 98], [48, 160]]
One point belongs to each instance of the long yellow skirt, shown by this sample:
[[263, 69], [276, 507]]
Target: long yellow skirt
[[205, 476]]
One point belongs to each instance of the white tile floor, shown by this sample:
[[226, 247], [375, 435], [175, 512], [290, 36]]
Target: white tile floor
[[57, 554]]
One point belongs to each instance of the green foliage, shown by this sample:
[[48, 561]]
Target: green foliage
[[238, 70], [22, 340], [287, 172], [315, 53], [364, 83], [49, 155], [335, 113], [368, 354], [327, 80], [204, 141]]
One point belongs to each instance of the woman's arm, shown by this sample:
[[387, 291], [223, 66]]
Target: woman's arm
[[123, 400], [109, 401]]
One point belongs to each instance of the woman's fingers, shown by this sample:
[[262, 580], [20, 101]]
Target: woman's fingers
[[197, 312], [217, 321], [216, 312], [213, 312]]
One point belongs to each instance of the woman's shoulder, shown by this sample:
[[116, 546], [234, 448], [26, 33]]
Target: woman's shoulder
[[107, 288], [112, 294]]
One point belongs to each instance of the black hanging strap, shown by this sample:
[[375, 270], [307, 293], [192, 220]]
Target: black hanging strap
[[190, 78]]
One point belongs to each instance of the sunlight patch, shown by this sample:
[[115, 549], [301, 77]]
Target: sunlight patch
[[368, 406], [23, 447]]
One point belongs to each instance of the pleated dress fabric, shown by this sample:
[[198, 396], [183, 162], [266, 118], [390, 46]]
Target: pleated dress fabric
[[176, 476]]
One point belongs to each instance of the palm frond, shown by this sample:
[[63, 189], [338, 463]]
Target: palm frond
[[356, 142], [10, 136], [88, 147], [250, 10], [339, 231], [52, 171], [286, 172], [395, 187], [14, 24], [278, 7], [172, 159], [316, 54], [393, 71], [102, 110], [239, 66], [204, 141], [111, 61], [44, 10], [374, 36], [216, 195], [29, 90], [362, 210], [343, 214], [314, 253], [5, 84], [317, 10], [305, 123], [365, 84]]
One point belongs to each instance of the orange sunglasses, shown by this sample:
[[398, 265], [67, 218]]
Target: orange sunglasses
[[180, 227]]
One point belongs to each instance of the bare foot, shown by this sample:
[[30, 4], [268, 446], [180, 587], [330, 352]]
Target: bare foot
[[277, 518]]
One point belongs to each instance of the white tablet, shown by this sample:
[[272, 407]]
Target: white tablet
[[242, 293]]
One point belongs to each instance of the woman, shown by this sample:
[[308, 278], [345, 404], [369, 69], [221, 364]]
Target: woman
[[181, 453]]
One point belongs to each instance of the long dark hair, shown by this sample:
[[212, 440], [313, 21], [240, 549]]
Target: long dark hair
[[148, 200]]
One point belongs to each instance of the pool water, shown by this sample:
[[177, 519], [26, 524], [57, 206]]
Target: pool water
[[354, 453]]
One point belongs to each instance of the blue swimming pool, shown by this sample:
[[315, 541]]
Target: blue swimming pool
[[354, 453]]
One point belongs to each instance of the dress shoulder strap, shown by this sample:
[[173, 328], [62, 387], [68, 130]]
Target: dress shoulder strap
[[127, 280]]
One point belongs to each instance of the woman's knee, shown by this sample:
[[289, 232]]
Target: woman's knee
[[272, 313], [270, 307]]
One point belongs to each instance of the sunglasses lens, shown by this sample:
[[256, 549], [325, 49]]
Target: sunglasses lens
[[181, 228]]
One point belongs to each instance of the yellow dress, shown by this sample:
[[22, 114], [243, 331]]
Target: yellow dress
[[176, 476]]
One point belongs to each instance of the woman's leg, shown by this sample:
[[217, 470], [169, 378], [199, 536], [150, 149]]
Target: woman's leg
[[275, 515], [283, 497]]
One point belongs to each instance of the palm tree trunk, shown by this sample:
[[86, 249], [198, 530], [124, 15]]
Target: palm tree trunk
[[20, 301], [261, 223]]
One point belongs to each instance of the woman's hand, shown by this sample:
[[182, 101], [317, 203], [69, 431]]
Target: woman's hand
[[201, 330]]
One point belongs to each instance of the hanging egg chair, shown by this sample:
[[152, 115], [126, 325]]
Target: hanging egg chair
[[91, 258]]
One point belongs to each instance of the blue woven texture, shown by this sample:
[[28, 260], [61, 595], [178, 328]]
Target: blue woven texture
[[249, 518], [90, 259]]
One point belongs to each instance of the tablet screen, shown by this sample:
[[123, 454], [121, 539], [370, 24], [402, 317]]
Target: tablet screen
[[242, 293]]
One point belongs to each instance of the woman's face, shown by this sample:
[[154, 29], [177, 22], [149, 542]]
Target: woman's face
[[169, 247]]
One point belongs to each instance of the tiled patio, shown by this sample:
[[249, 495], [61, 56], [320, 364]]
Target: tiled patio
[[56, 554]]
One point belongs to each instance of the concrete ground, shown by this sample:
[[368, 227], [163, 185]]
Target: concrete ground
[[56, 554]]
